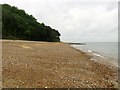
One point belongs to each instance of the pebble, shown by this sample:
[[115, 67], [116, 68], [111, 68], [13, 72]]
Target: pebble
[[23, 82], [46, 87]]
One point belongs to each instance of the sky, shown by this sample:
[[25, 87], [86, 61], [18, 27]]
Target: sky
[[76, 20]]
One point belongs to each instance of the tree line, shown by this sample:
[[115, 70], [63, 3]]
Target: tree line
[[17, 24]]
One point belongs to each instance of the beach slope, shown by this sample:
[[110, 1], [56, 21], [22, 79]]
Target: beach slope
[[29, 64]]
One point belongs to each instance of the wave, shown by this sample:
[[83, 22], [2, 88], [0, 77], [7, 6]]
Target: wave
[[98, 57]]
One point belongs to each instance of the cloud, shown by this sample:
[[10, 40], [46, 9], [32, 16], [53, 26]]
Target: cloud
[[76, 20]]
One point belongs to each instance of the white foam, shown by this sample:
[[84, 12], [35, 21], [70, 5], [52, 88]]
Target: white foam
[[98, 55], [90, 51]]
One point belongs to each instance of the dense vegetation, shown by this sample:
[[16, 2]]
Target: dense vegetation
[[17, 24]]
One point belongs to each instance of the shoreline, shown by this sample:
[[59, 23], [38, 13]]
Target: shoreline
[[96, 57], [52, 65], [100, 59]]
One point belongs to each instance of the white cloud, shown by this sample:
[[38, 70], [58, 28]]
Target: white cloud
[[76, 20]]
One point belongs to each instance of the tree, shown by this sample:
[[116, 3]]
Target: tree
[[17, 24]]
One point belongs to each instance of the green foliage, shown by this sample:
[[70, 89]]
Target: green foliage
[[16, 24]]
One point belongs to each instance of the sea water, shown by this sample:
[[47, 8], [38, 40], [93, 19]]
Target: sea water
[[106, 50]]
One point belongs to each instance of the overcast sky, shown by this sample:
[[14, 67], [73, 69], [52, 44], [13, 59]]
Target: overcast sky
[[76, 20]]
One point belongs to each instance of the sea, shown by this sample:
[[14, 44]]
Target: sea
[[105, 51]]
